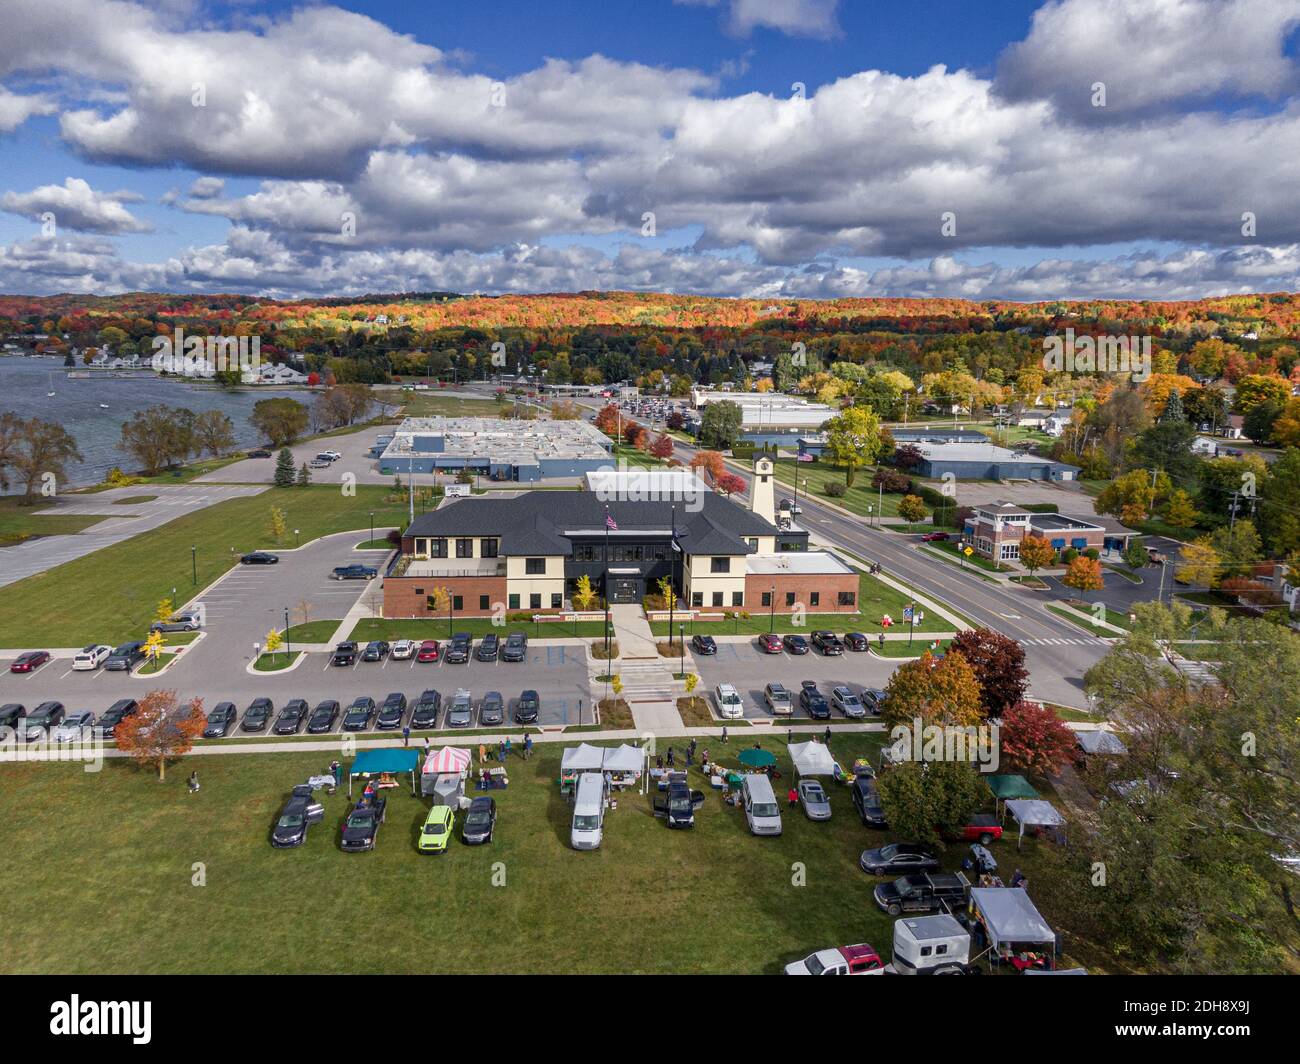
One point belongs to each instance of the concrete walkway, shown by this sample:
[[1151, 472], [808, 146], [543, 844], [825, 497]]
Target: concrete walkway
[[648, 685]]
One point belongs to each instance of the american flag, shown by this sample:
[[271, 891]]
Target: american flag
[[804, 456], [610, 522]]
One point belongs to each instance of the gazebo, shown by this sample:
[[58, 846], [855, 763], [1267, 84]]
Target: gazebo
[[1034, 813], [1008, 787], [812, 759]]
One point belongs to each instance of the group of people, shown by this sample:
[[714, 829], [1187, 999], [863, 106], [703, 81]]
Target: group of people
[[504, 746]]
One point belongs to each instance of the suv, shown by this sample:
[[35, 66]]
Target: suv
[[729, 701], [425, 714], [866, 800], [345, 653], [40, 722], [778, 700], [926, 893], [487, 648], [457, 652], [291, 717], [847, 702], [814, 703], [114, 715], [221, 718], [527, 708], [354, 572], [359, 714], [392, 712], [125, 657], [298, 813], [179, 622], [376, 650], [91, 657], [515, 648], [828, 643], [873, 698], [323, 717]]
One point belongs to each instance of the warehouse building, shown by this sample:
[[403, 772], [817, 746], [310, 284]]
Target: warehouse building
[[985, 461], [500, 448]]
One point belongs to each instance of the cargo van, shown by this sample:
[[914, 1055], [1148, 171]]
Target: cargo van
[[761, 810], [588, 811]]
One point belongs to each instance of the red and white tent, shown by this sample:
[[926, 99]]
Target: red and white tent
[[450, 760]]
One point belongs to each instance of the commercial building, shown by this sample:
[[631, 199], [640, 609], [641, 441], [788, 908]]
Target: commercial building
[[766, 418], [995, 531], [986, 461], [500, 448]]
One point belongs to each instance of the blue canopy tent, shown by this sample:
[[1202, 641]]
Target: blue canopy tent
[[388, 761]]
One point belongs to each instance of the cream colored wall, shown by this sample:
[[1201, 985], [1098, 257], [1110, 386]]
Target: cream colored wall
[[518, 582]]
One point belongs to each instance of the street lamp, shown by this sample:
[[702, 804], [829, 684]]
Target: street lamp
[[681, 644], [287, 651], [194, 565], [771, 610], [372, 526]]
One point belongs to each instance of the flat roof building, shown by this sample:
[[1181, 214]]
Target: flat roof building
[[986, 461], [502, 448]]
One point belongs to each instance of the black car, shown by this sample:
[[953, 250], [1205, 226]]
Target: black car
[[323, 717], [259, 557], [125, 658], [814, 702], [221, 718], [10, 713], [487, 648], [362, 824], [828, 643], [354, 572], [345, 653], [259, 453], [873, 698], [703, 644], [856, 641], [41, 721], [376, 650], [866, 800], [359, 714], [257, 716], [515, 647], [527, 708], [291, 717], [480, 821], [796, 644], [492, 710], [114, 715], [425, 714], [898, 858], [392, 712], [457, 652], [299, 812]]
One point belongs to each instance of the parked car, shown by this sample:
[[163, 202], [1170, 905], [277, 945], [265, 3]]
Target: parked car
[[856, 641], [873, 698], [125, 658], [425, 714], [925, 893], [778, 700], [259, 453], [936, 537], [345, 653], [428, 651], [488, 647], [354, 572], [828, 643], [402, 649], [437, 830], [730, 705], [90, 658], [376, 650], [75, 726], [29, 661], [982, 828], [11, 713], [460, 714], [843, 699], [292, 717], [319, 463], [299, 813], [796, 644], [259, 557], [492, 710], [898, 858], [457, 652], [515, 648], [178, 622], [866, 800], [770, 643], [480, 822], [704, 645], [331, 455], [362, 825], [41, 721], [392, 712], [359, 714], [812, 796], [114, 715], [527, 708], [861, 959], [814, 703], [323, 717], [221, 718], [257, 716]]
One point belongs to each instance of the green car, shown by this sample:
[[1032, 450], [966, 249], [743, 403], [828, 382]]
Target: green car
[[436, 832]]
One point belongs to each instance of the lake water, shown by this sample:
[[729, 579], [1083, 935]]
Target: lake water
[[24, 383]]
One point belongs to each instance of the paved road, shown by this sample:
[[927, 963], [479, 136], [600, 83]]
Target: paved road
[[121, 522]]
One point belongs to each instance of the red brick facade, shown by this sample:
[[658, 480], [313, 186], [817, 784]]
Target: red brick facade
[[407, 596], [825, 589]]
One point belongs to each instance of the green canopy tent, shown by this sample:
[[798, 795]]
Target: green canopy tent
[[757, 758], [391, 761], [1005, 788]]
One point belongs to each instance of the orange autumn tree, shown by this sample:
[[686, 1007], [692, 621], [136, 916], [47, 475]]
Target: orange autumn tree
[[1084, 575], [939, 691], [162, 729], [709, 464]]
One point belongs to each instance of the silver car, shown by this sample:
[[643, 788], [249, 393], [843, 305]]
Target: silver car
[[75, 726], [847, 702], [812, 796]]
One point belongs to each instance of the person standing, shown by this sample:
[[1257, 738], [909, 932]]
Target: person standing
[[482, 754], [724, 734], [528, 746], [501, 751], [194, 782], [793, 797], [827, 736], [507, 749], [406, 735]]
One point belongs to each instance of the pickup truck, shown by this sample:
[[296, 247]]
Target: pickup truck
[[982, 828], [362, 824], [861, 959], [345, 653], [354, 572], [927, 893]]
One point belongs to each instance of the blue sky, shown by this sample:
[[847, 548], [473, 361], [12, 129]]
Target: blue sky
[[520, 147]]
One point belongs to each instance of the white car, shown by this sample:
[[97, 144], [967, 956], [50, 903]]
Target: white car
[[730, 704], [75, 726], [402, 649], [333, 456], [91, 657]]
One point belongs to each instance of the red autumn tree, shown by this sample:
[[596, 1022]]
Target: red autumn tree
[[662, 448], [709, 464], [1034, 740], [607, 420], [730, 484], [999, 664], [162, 729]]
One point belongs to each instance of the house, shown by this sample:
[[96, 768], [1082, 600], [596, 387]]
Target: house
[[1205, 445], [1057, 422]]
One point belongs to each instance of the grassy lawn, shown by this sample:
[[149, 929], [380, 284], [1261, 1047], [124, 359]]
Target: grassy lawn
[[817, 474], [954, 552], [276, 662], [1115, 617], [133, 500], [110, 595], [431, 404], [1072, 716], [713, 899], [149, 668], [437, 628], [893, 648], [634, 458], [311, 632], [18, 523], [184, 474]]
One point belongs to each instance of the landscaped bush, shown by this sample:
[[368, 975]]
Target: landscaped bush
[[934, 499], [834, 488], [1093, 553], [1068, 555], [892, 482]]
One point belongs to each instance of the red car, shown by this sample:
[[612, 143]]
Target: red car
[[770, 643], [934, 537], [982, 828], [428, 651], [30, 661]]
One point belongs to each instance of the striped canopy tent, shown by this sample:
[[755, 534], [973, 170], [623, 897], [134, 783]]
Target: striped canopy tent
[[450, 760]]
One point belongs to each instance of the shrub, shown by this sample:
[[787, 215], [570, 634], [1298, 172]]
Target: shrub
[[1068, 555], [834, 488], [892, 482]]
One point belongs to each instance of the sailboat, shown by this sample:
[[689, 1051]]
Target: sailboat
[[103, 406]]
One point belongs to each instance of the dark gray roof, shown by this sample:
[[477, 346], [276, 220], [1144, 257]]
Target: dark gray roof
[[537, 522]]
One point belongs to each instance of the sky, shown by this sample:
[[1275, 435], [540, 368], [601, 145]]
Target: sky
[[980, 149]]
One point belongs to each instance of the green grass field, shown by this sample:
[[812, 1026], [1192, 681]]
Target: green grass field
[[25, 522], [189, 883], [432, 404], [817, 474], [110, 596]]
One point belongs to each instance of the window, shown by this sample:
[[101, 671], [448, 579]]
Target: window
[[487, 548], [847, 598], [437, 548], [457, 603], [753, 543], [737, 598], [464, 548], [513, 601], [535, 566], [557, 601], [717, 598], [419, 591], [719, 565], [767, 598], [789, 598], [814, 598], [534, 602], [697, 598], [1010, 550], [484, 603]]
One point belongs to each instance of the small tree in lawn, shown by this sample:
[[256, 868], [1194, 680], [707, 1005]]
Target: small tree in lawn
[[1036, 552], [1135, 554], [284, 468], [304, 476], [1084, 575], [730, 484], [1034, 740], [616, 684], [153, 648], [274, 641], [278, 525], [665, 585], [912, 508], [692, 682], [162, 729], [164, 611], [662, 448]]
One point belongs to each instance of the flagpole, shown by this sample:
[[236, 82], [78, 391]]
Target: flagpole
[[672, 573], [607, 587]]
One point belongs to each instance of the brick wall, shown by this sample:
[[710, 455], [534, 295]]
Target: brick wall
[[407, 596], [803, 586]]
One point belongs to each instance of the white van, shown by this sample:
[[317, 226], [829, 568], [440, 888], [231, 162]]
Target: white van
[[588, 811], [761, 810]]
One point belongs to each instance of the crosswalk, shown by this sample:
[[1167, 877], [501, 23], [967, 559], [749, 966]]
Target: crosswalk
[[1087, 641]]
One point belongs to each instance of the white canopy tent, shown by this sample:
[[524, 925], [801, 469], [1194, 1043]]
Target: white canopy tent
[[583, 758], [623, 759], [1010, 919], [1033, 812], [812, 759], [1100, 742]]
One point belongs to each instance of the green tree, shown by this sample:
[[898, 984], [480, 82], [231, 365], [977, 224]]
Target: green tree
[[284, 475], [304, 475], [280, 420], [1179, 510], [853, 440], [720, 425], [214, 433], [927, 800]]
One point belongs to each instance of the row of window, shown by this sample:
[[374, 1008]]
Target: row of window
[[622, 552], [437, 548], [844, 598], [513, 601]]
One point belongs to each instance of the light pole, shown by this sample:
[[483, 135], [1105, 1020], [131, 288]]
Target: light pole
[[771, 610], [287, 651], [681, 645], [194, 565], [295, 539], [372, 526]]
